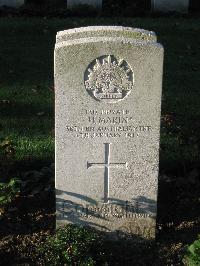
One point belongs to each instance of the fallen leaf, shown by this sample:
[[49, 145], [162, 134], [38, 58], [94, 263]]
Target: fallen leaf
[[34, 91], [40, 113]]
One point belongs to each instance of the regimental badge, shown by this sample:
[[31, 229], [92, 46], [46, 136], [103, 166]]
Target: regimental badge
[[108, 79]]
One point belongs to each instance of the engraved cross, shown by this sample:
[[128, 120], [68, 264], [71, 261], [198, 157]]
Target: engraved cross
[[106, 166]]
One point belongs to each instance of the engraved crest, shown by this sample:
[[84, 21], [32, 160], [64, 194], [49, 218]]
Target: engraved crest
[[108, 79]]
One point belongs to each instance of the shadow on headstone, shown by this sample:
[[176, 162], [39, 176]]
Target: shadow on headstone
[[85, 214]]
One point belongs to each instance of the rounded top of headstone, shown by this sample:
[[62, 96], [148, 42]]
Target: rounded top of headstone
[[106, 31]]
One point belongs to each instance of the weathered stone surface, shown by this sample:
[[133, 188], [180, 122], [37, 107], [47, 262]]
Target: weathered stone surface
[[108, 31], [11, 3], [94, 3], [108, 97], [181, 6]]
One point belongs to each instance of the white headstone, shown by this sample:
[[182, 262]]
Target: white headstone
[[11, 3], [181, 6], [94, 3], [108, 101]]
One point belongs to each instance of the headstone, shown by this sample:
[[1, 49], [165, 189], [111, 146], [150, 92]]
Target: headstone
[[11, 3], [108, 101], [109, 31], [181, 6], [93, 3]]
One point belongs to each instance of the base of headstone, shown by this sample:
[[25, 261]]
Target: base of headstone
[[180, 6], [11, 3], [76, 3], [118, 221]]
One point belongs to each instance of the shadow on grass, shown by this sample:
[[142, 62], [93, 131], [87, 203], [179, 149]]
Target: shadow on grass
[[26, 111], [178, 201]]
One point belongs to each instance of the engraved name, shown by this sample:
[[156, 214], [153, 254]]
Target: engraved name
[[108, 123], [120, 211]]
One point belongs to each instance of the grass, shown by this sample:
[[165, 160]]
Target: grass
[[26, 81]]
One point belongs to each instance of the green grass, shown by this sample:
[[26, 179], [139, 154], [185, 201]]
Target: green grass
[[26, 78]]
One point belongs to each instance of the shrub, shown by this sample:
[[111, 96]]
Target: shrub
[[192, 256], [71, 245], [7, 155], [7, 149], [8, 192]]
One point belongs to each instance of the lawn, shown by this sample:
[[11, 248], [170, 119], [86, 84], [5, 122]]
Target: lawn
[[26, 82], [27, 109]]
